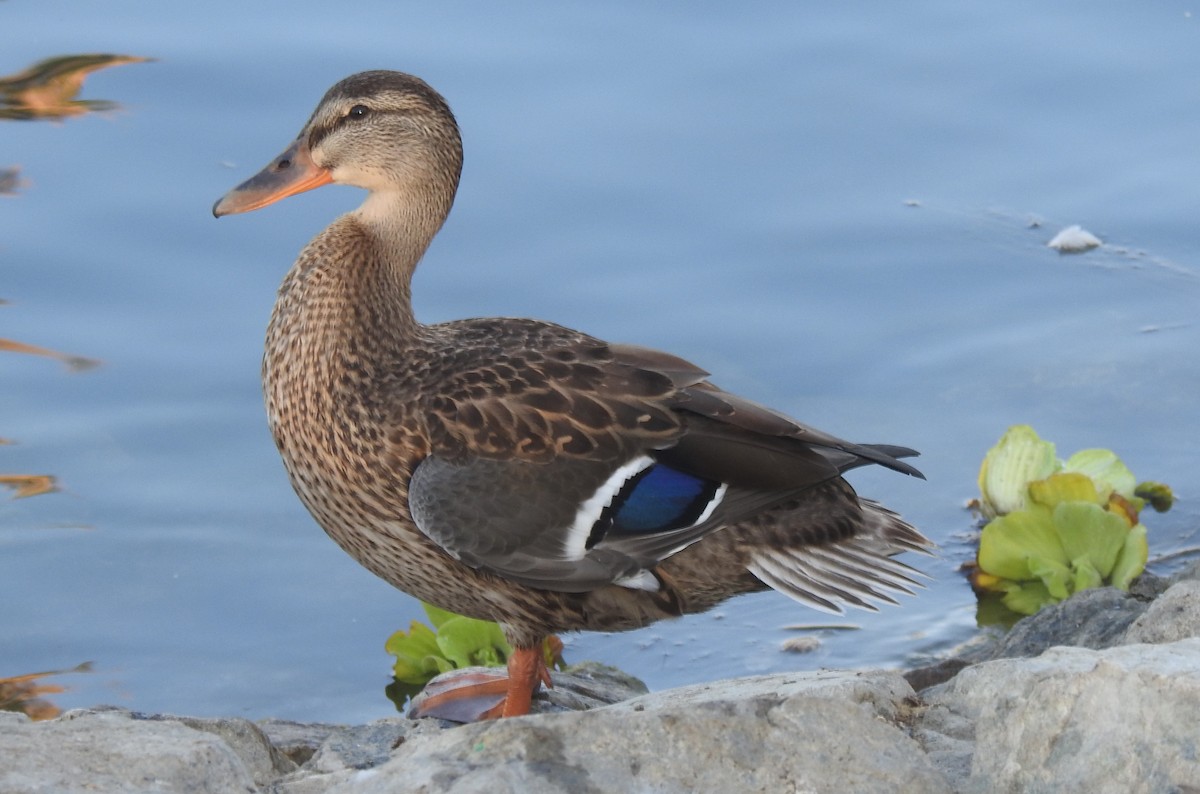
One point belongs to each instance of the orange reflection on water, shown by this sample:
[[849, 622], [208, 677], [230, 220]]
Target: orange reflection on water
[[24, 485], [74, 363], [23, 693], [47, 90], [29, 484]]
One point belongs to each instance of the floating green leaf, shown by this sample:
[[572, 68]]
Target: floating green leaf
[[1086, 575], [437, 616], [1027, 597], [1017, 459], [1105, 469], [1132, 559], [418, 657], [1089, 532], [1039, 556], [1009, 542], [1065, 487], [1053, 574], [467, 642]]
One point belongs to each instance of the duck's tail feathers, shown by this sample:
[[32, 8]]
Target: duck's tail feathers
[[860, 572]]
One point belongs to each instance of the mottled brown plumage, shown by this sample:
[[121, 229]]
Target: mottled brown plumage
[[516, 470]]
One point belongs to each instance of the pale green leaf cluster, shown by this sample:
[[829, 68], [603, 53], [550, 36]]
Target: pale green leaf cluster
[[453, 642], [1056, 526]]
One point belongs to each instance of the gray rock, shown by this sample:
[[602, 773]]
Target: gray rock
[[1175, 615], [592, 684], [365, 746], [1149, 586], [923, 677], [1096, 618], [12, 719], [110, 751], [299, 741], [264, 762], [803, 732], [885, 691], [1104, 719], [1191, 571], [1121, 719]]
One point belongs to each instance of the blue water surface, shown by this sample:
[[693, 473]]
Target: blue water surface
[[840, 210]]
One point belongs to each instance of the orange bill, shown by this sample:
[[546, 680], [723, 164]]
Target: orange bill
[[288, 174]]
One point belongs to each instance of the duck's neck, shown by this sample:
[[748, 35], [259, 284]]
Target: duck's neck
[[402, 224], [354, 279], [343, 318]]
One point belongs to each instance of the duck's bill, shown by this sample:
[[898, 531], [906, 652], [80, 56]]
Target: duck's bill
[[288, 174]]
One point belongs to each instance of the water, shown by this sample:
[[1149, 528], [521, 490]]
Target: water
[[834, 209]]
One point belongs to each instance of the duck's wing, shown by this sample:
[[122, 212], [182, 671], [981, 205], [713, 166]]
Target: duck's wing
[[574, 467]]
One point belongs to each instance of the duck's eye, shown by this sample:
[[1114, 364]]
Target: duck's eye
[[358, 112]]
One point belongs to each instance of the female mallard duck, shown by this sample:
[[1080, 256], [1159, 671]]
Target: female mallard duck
[[515, 470]]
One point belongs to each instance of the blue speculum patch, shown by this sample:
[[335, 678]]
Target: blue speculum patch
[[660, 498]]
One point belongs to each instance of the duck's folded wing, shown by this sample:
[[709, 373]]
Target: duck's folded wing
[[574, 525], [574, 467]]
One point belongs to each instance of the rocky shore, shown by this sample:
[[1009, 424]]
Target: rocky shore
[[1100, 693]]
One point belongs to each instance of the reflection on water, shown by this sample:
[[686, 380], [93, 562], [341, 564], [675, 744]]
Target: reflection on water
[[35, 484], [23, 693], [10, 181], [74, 363], [24, 485], [29, 484], [47, 89], [44, 91]]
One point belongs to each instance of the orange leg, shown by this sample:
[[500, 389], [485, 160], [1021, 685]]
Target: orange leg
[[486, 695], [526, 669]]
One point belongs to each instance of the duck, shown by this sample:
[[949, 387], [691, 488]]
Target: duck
[[515, 470]]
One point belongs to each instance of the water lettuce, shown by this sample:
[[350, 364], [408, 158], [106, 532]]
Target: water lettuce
[[1057, 527], [453, 642]]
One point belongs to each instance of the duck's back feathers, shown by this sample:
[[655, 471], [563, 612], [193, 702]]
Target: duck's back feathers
[[516, 389]]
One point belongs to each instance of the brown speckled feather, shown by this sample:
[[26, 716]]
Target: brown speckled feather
[[522, 389]]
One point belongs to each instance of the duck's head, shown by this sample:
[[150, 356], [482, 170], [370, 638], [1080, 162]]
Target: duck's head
[[388, 132]]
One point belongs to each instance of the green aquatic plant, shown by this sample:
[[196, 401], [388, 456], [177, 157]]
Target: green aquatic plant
[[453, 642], [1019, 458], [1057, 527]]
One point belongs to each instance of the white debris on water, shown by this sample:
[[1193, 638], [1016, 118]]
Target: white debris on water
[[800, 644], [1074, 240]]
